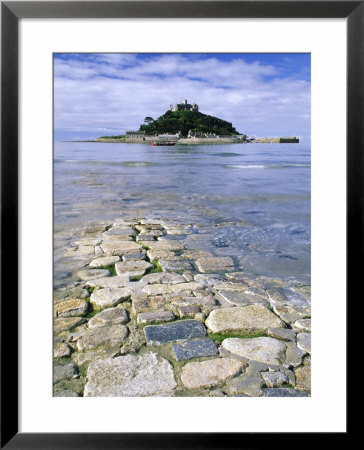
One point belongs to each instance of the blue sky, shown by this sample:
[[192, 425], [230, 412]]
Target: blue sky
[[107, 94]]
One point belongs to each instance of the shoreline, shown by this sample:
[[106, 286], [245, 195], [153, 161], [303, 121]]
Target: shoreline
[[139, 299], [199, 141]]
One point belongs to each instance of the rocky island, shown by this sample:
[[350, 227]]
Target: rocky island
[[185, 124]]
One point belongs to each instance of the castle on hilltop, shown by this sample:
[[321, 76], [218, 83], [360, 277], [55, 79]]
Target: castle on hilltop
[[184, 106]]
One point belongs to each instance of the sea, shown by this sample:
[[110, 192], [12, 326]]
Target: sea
[[247, 201]]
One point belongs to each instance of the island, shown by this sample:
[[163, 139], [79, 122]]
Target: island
[[185, 124]]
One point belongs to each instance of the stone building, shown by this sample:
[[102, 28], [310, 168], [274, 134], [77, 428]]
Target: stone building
[[184, 106], [135, 135]]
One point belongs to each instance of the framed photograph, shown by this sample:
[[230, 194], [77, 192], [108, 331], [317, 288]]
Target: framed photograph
[[174, 180]]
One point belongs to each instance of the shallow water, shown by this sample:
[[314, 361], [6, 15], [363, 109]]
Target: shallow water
[[250, 201]]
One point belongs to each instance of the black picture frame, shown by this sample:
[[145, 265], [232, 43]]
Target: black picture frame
[[11, 12]]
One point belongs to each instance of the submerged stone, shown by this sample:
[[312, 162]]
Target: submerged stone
[[194, 349], [241, 298], [92, 274], [130, 376], [182, 330], [215, 264], [116, 231]]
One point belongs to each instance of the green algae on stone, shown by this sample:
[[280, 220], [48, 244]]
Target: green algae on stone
[[219, 337]]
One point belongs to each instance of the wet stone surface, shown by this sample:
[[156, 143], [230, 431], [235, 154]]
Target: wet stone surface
[[144, 307]]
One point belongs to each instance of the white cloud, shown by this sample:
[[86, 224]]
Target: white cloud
[[115, 92]]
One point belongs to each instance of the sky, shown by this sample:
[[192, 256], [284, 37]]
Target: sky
[[107, 94]]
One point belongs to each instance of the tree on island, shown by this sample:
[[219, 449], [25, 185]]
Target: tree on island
[[148, 120], [173, 122]]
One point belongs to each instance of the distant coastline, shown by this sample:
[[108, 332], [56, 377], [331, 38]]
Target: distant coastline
[[198, 141]]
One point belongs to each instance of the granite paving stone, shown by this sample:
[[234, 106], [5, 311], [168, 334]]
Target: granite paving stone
[[67, 323], [132, 268], [130, 376], [109, 316], [302, 325], [175, 266], [252, 318], [215, 264], [264, 349], [291, 313], [155, 316], [61, 350], [285, 334], [182, 330], [107, 335], [274, 379], [188, 311], [303, 378], [120, 247], [62, 372], [104, 261], [194, 349], [304, 342], [210, 372], [70, 308], [163, 278], [92, 274], [110, 282], [108, 297], [241, 298], [294, 355], [248, 383], [283, 392]]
